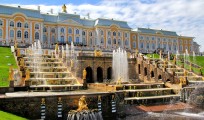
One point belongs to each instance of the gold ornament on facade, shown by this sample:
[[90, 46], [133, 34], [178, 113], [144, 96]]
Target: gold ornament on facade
[[97, 53], [64, 8]]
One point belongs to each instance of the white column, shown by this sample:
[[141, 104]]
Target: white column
[[7, 31], [31, 33]]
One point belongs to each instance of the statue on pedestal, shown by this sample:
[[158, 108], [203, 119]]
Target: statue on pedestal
[[84, 74], [22, 62], [11, 73], [82, 105], [27, 74]]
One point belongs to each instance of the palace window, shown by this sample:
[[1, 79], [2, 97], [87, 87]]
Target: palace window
[[70, 31], [62, 30], [159, 45], [126, 42], [44, 29], [134, 37], [126, 35], [37, 36], [84, 41], [134, 44], [70, 39], [164, 46], [26, 25], [1, 33], [147, 45], [53, 39], [169, 47], [83, 33], [11, 24], [37, 26], [180, 48], [44, 38], [141, 45], [26, 34], [62, 39], [102, 41], [147, 38], [109, 41], [109, 33], [101, 32], [77, 39], [119, 42], [19, 24], [152, 38], [19, 34], [1, 23], [175, 47], [174, 40], [11, 33], [77, 31], [114, 41], [114, 33], [164, 39], [118, 33], [90, 33], [141, 37], [53, 30], [90, 42], [158, 39], [153, 46]]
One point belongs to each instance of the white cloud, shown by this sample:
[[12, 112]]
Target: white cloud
[[183, 16]]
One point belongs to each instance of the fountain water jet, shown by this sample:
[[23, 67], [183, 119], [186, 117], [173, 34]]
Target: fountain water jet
[[120, 66]]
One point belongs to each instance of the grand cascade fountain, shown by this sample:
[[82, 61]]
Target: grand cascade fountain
[[70, 83]]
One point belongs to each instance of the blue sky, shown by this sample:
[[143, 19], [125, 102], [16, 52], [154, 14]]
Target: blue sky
[[49, 2], [186, 17]]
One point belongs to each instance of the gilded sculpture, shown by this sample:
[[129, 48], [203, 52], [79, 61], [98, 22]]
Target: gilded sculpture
[[11, 73], [82, 105], [84, 74]]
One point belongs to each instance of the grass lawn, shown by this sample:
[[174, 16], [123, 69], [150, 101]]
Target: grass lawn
[[9, 116], [152, 55], [6, 58]]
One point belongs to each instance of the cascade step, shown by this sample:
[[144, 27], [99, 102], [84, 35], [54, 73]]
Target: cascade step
[[151, 97]]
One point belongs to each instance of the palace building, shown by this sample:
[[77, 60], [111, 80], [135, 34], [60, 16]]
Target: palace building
[[24, 26]]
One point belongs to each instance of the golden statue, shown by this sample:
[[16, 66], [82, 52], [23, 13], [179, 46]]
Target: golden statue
[[64, 8], [11, 73], [72, 63], [174, 61], [82, 105], [16, 45], [22, 62], [185, 73], [43, 101], [18, 53], [27, 74], [56, 47], [160, 54], [136, 51], [119, 81], [84, 74]]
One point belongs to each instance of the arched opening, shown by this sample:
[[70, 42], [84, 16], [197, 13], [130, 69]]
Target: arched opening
[[99, 74], [152, 73], [139, 69], [168, 80], [109, 73], [89, 75], [145, 71], [159, 77]]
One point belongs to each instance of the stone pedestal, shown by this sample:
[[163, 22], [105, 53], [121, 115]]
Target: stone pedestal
[[11, 83], [84, 84], [27, 83]]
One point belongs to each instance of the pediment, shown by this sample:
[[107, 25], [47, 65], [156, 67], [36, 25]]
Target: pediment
[[70, 22]]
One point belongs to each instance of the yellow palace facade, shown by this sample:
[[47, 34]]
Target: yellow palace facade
[[24, 26]]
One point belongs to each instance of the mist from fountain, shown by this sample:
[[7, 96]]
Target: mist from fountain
[[120, 65], [37, 59], [194, 58]]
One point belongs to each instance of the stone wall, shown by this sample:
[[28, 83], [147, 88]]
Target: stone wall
[[29, 107]]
